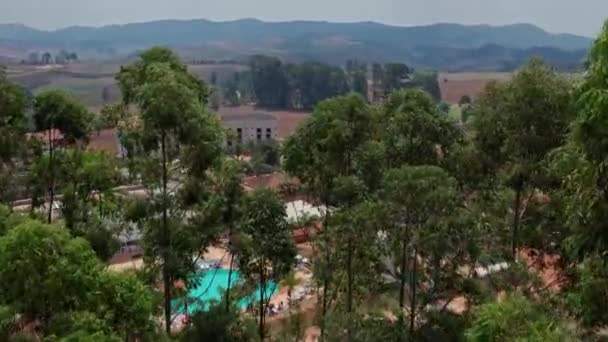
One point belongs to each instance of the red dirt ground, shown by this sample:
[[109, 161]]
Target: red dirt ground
[[453, 91], [454, 86]]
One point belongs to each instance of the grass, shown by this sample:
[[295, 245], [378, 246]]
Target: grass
[[455, 113], [86, 90]]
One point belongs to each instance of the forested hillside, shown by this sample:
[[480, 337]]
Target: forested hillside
[[441, 46]]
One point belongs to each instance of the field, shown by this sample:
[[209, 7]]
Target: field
[[454, 86], [86, 81]]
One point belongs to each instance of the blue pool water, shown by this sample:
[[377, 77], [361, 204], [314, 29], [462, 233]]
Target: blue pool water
[[212, 284]]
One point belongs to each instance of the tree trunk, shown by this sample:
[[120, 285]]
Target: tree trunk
[[325, 276], [229, 280], [349, 274], [51, 175], [165, 237], [402, 285], [516, 206], [100, 205], [413, 288], [262, 313]]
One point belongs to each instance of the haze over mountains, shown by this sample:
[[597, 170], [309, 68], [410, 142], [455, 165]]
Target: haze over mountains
[[439, 46]]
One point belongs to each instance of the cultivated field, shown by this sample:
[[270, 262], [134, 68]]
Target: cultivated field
[[454, 86], [86, 81]]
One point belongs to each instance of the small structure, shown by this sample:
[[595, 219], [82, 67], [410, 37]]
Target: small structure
[[250, 128]]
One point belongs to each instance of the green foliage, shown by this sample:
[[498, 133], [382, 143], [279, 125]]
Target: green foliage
[[515, 319], [13, 104], [414, 130], [55, 109], [264, 221], [217, 324], [465, 100], [56, 280], [589, 293], [176, 142], [267, 252], [269, 80], [365, 328], [396, 76], [8, 220], [56, 277], [133, 76], [521, 121], [310, 83], [517, 124], [299, 86], [427, 81], [324, 147]]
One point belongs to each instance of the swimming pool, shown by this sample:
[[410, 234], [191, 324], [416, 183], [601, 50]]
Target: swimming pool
[[212, 284]]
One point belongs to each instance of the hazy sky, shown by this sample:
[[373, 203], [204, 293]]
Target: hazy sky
[[573, 16]]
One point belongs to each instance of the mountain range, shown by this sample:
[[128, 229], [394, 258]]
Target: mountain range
[[440, 46]]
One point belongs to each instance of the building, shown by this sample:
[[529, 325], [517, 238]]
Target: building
[[250, 128]]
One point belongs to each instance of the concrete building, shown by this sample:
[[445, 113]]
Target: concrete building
[[254, 127]]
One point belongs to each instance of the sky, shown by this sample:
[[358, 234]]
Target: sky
[[584, 17]]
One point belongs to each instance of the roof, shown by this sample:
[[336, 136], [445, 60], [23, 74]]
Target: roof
[[248, 117], [271, 181], [105, 140]]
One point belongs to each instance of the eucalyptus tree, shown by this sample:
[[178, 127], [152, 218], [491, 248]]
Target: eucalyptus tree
[[88, 201], [357, 252], [325, 148], [413, 129], [417, 200], [227, 186], [581, 165], [267, 250], [65, 121], [587, 179], [176, 142], [13, 105], [518, 123]]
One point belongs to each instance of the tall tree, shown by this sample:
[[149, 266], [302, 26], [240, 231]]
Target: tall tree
[[310, 83], [174, 131], [586, 176], [65, 121], [395, 77], [518, 123], [227, 183], [323, 149], [268, 253], [417, 198], [413, 129], [269, 81], [13, 105]]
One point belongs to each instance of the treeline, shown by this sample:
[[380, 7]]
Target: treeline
[[46, 58], [275, 84]]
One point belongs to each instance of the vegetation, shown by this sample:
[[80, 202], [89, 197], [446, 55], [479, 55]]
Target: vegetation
[[492, 230]]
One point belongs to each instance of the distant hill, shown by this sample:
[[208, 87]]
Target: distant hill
[[441, 46]]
